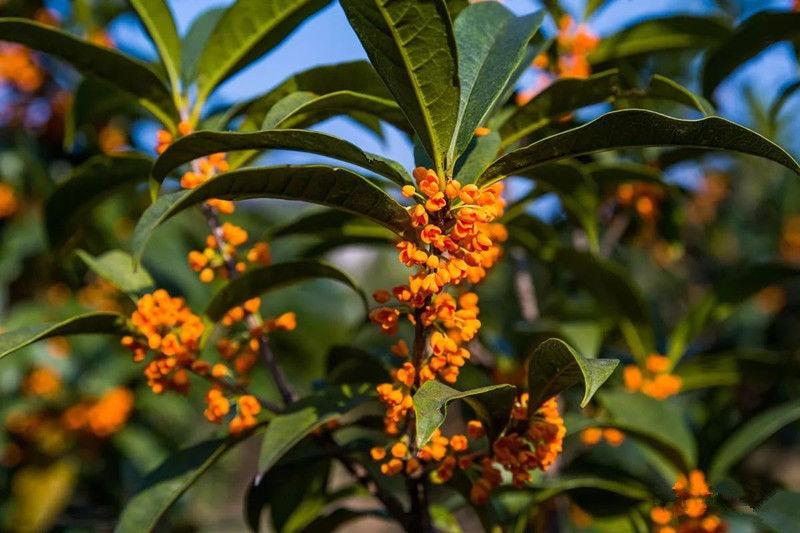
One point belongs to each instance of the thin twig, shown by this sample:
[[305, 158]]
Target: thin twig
[[616, 229]]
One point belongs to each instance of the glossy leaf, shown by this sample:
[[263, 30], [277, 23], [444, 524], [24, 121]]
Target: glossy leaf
[[157, 19], [163, 486], [203, 143], [781, 511], [747, 41], [492, 405], [116, 267], [481, 152], [411, 45], [638, 128], [659, 424], [331, 186], [99, 323], [88, 184], [248, 30], [750, 435], [492, 43], [679, 32], [261, 280], [554, 367], [129, 75]]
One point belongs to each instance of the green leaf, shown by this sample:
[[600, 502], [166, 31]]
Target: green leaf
[[348, 364], [492, 405], [749, 435], [164, 485], [129, 75], [286, 430], [747, 41], [744, 282], [634, 128], [157, 18], [492, 43], [411, 45], [90, 323], [547, 489], [91, 182], [554, 367], [781, 511], [116, 267], [193, 43], [659, 424], [330, 186], [203, 143], [679, 32], [260, 280], [248, 30], [93, 102], [480, 154], [777, 105]]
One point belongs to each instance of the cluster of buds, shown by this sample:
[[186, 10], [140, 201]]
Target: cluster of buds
[[41, 382], [689, 513], [643, 197], [102, 417], [218, 406], [212, 261], [656, 381], [20, 69], [612, 436]]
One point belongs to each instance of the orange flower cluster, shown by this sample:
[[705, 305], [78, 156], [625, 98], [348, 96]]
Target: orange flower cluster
[[592, 436], [111, 139], [8, 201], [19, 68], [656, 381], [102, 417], [689, 513], [218, 406], [166, 325], [101, 295], [644, 197], [529, 444], [210, 263], [43, 382]]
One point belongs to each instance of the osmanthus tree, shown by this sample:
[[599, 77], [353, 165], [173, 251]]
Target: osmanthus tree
[[445, 73]]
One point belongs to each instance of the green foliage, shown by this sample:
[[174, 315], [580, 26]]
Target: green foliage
[[117, 267]]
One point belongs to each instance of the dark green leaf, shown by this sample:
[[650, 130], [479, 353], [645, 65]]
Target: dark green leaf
[[86, 186], [547, 489], [337, 518], [679, 32], [260, 280], [659, 424], [95, 102], [752, 433], [90, 323], [747, 41], [777, 106], [247, 30], [203, 143], [492, 43], [129, 75], [156, 16], [480, 154], [331, 186], [198, 35], [781, 511], [638, 128], [492, 405], [348, 364], [411, 45], [554, 367], [116, 267]]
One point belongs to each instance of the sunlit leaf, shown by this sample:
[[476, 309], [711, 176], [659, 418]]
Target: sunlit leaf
[[116, 267], [157, 18]]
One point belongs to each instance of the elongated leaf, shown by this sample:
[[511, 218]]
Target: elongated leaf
[[90, 323], [751, 434], [662, 34], [116, 267], [86, 186], [554, 367], [94, 102], [247, 30], [786, 93], [747, 41], [156, 16], [203, 143], [129, 75], [741, 284], [634, 128], [479, 155], [258, 281], [492, 43], [659, 424], [411, 45], [163, 486], [194, 41], [492, 405], [781, 511], [288, 429], [331, 186], [546, 489]]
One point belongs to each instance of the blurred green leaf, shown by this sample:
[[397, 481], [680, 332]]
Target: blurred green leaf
[[747, 41], [194, 41], [349, 364], [411, 45], [331, 186], [547, 489], [749, 435], [492, 405], [157, 19], [781, 511], [784, 95], [554, 367], [129, 75], [117, 267], [90, 323]]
